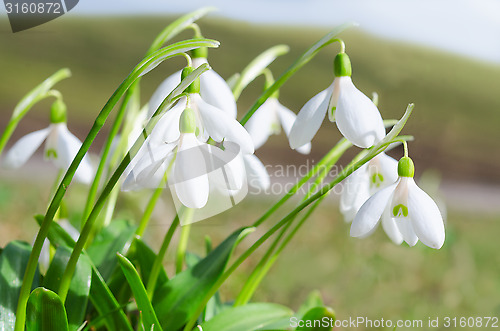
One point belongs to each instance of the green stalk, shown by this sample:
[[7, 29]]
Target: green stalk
[[370, 154], [148, 211], [36, 95], [340, 147], [142, 68], [157, 264], [183, 241], [89, 224], [268, 259], [308, 55], [105, 153], [325, 189]]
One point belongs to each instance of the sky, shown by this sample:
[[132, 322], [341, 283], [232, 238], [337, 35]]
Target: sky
[[467, 27]]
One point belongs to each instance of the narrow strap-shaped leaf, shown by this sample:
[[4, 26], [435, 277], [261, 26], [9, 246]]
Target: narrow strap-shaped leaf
[[317, 319], [255, 68], [176, 302], [13, 262], [250, 317], [177, 26], [79, 290], [45, 311], [100, 295], [149, 319]]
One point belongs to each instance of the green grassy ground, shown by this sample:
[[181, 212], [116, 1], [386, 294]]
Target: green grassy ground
[[457, 106], [370, 277]]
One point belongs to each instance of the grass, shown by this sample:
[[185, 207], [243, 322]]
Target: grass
[[368, 277], [455, 121]]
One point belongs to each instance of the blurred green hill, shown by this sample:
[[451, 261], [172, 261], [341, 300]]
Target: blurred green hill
[[456, 118]]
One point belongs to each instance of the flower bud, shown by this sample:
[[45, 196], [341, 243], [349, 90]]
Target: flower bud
[[187, 123], [406, 167], [58, 112], [342, 65], [195, 85]]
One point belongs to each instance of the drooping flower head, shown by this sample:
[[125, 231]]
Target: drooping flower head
[[61, 146], [409, 209], [269, 118], [357, 117], [210, 121]]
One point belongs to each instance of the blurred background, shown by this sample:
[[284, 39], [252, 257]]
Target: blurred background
[[444, 56]]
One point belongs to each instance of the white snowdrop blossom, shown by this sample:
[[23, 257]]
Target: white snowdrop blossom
[[268, 120], [61, 146], [378, 173], [189, 165], [210, 121], [409, 209], [357, 117], [213, 90]]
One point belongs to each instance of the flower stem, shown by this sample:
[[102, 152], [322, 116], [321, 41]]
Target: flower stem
[[325, 189], [183, 240], [268, 259], [157, 264], [339, 148]]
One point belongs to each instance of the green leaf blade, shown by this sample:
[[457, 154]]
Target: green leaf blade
[[45, 311], [250, 317], [149, 318], [13, 261], [177, 301]]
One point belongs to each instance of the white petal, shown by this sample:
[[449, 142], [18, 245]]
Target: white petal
[[25, 147], [191, 188], [390, 227], [369, 214], [215, 91], [334, 99], [425, 217], [167, 128], [163, 91], [388, 168], [355, 192], [406, 230], [259, 126], [67, 147], [287, 119], [220, 125], [257, 174], [144, 169], [358, 119], [226, 167], [309, 119]]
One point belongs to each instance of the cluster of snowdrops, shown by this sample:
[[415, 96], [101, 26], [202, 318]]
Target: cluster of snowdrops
[[172, 139]]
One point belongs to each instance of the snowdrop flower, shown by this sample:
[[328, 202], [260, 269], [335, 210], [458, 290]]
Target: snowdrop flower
[[409, 209], [187, 162], [61, 146], [210, 121], [357, 117], [268, 120], [213, 90]]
